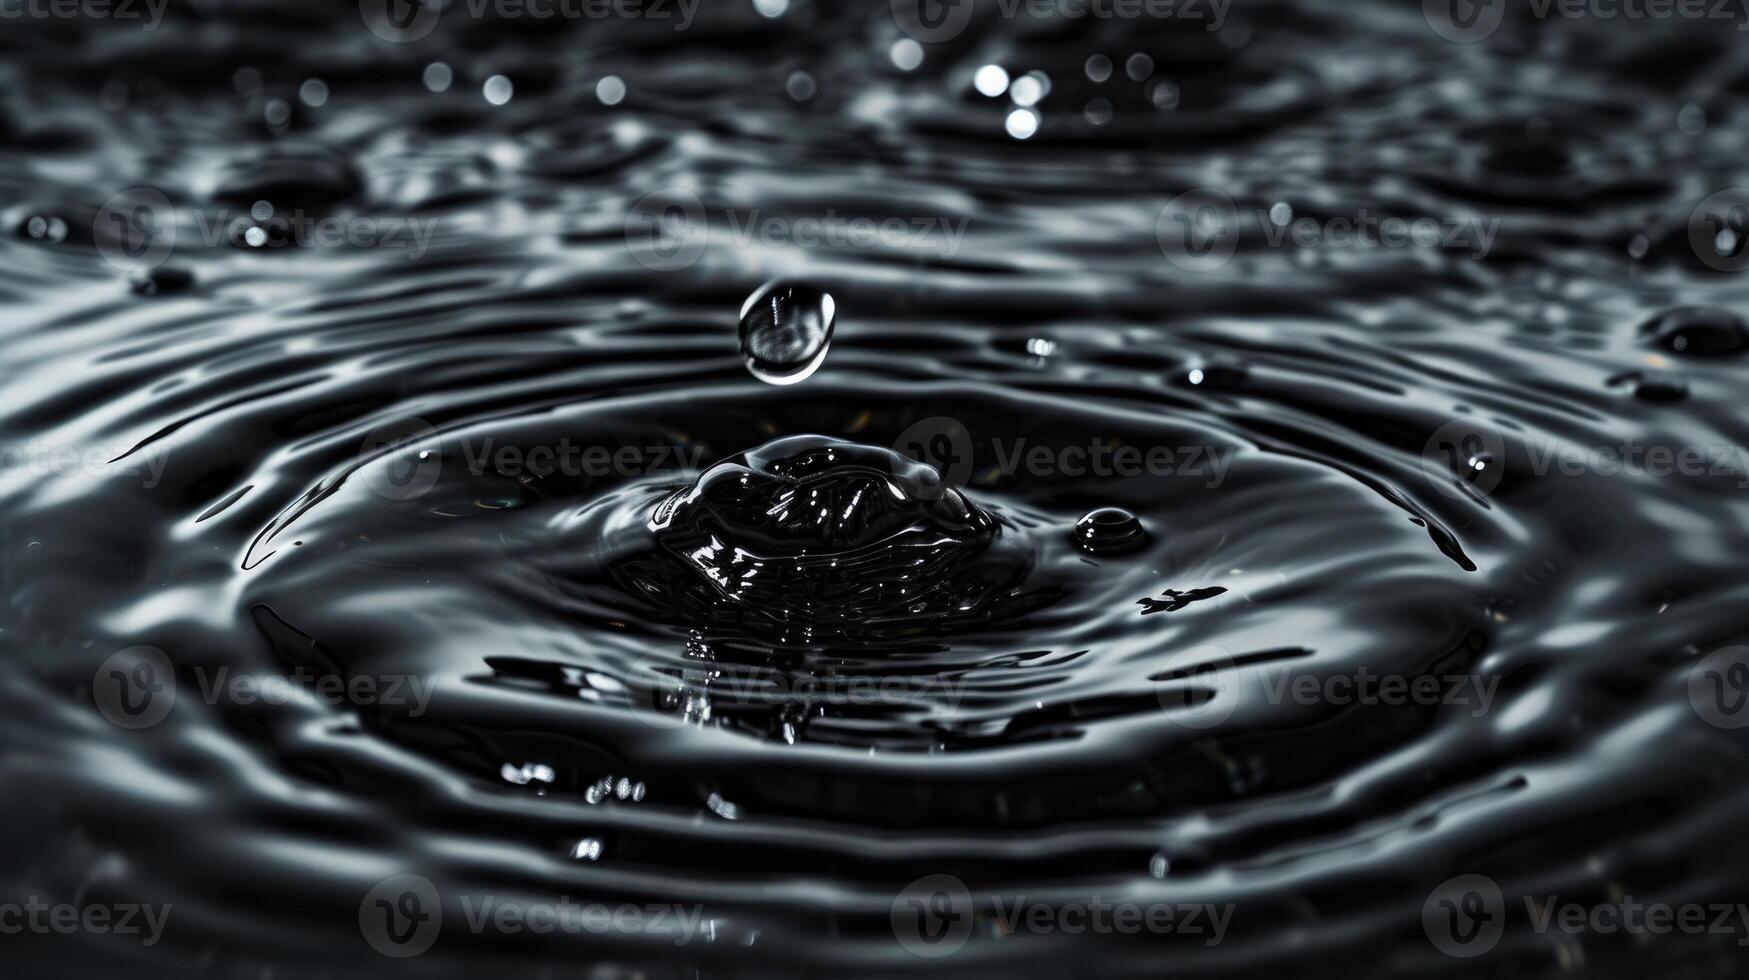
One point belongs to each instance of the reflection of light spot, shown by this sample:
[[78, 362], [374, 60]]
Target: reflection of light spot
[[438, 76], [256, 237], [314, 92], [1196, 376], [907, 54], [498, 90], [991, 80], [1022, 123], [1026, 91], [610, 90]]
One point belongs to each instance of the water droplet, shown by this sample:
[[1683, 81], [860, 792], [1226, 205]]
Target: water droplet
[[1281, 212], [906, 54], [1022, 123], [438, 77], [771, 8], [786, 328], [611, 90], [1639, 246], [991, 80], [1698, 331], [800, 86], [1026, 90], [277, 113], [1098, 111], [1138, 67], [1691, 120], [1110, 531], [587, 849], [498, 90], [1164, 95], [1098, 68], [314, 93]]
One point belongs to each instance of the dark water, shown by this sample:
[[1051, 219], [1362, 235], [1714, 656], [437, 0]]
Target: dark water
[[460, 459]]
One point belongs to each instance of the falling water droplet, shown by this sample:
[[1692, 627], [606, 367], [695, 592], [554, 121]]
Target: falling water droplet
[[1110, 531], [786, 328]]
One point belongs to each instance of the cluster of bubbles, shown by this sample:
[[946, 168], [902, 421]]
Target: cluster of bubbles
[[1026, 91]]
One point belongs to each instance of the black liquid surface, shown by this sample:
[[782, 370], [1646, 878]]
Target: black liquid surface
[[642, 660]]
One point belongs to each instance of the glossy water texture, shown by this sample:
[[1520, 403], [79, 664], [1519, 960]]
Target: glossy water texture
[[662, 632]]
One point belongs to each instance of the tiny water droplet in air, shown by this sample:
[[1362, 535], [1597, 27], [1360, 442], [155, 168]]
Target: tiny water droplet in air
[[498, 90], [611, 90], [1138, 67], [1098, 68], [1022, 123], [800, 86], [1027, 90], [906, 54], [314, 93], [438, 76], [1110, 531], [991, 80], [1098, 111], [786, 328]]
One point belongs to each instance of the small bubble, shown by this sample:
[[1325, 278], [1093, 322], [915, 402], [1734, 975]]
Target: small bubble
[[1138, 67], [799, 86], [1098, 68], [1159, 865], [906, 54], [1164, 95], [314, 93], [1098, 111], [991, 80], [256, 237], [786, 328], [498, 90], [277, 113], [1639, 246], [611, 90], [1022, 123], [1281, 212], [1110, 531], [438, 77], [1026, 90], [261, 211], [587, 849]]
